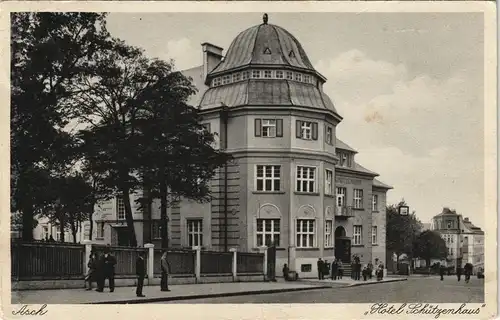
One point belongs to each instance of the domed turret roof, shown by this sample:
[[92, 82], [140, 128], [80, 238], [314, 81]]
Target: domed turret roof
[[264, 45]]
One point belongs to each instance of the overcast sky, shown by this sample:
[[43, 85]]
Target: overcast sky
[[408, 85]]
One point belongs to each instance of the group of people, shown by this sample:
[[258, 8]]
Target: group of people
[[335, 270], [466, 271], [102, 267]]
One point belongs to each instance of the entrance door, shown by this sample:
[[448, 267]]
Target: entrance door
[[342, 245]]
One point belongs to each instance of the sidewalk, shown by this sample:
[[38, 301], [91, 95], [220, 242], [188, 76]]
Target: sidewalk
[[348, 282], [123, 295]]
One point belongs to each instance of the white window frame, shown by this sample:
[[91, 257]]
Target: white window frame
[[341, 196], [194, 232], [358, 199], [289, 75], [256, 74], [298, 77], [120, 204], [100, 230], [275, 175], [226, 79], [329, 182], [236, 77], [302, 170], [268, 74], [357, 235], [329, 135], [375, 202], [374, 235], [328, 233], [45, 232], [269, 128], [245, 75], [306, 130], [274, 232], [156, 230], [302, 232], [280, 74], [217, 82], [307, 78]]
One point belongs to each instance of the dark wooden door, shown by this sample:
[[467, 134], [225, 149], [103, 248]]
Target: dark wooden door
[[271, 262], [343, 249]]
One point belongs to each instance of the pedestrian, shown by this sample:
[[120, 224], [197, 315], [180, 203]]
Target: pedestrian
[[92, 273], [335, 269], [165, 270], [459, 272], [106, 265], [320, 269], [468, 271], [140, 270], [340, 268], [365, 273], [357, 263], [326, 269], [286, 270], [441, 271], [370, 270], [353, 268]]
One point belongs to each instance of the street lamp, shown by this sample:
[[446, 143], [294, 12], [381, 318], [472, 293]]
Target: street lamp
[[405, 211]]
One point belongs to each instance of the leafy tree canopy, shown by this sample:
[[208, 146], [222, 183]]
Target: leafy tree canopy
[[429, 245], [401, 230]]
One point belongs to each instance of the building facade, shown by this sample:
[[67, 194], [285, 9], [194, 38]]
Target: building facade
[[465, 241], [292, 183]]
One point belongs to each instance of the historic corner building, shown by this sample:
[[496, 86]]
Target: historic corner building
[[464, 240], [292, 181]]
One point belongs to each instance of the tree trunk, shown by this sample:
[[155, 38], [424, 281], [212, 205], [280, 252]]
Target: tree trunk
[[163, 211], [128, 216], [27, 216], [61, 223], [74, 230], [91, 218]]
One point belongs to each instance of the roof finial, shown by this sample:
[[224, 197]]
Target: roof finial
[[265, 18]]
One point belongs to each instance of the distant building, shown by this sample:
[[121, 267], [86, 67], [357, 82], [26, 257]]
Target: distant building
[[465, 241]]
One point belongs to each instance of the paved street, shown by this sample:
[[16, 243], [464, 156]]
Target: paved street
[[418, 289]]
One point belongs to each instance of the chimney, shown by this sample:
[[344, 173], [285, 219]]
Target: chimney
[[212, 55]]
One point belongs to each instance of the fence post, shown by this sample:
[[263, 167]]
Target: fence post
[[264, 269], [151, 261], [88, 249], [197, 264], [235, 263]]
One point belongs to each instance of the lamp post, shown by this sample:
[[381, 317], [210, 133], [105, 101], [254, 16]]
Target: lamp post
[[405, 211]]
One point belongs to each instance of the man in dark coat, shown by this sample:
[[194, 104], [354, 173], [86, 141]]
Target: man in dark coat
[[107, 264], [468, 271], [459, 272], [441, 271], [357, 268], [140, 270], [335, 267], [320, 269]]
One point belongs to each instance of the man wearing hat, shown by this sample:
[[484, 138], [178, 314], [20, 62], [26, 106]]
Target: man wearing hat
[[107, 269]]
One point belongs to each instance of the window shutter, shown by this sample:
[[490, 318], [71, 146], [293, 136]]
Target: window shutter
[[315, 131], [298, 129], [279, 127], [258, 127]]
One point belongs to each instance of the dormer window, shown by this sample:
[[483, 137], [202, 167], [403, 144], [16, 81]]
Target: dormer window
[[344, 159], [268, 74], [291, 54], [267, 51], [256, 74]]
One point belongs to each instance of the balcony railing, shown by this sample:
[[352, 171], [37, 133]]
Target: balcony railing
[[344, 211]]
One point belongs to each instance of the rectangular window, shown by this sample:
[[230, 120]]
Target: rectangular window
[[236, 77], [329, 135], [306, 179], [307, 130], [357, 235], [328, 182], [289, 75], [120, 208], [245, 75], [216, 82], [269, 128], [268, 74], [306, 267], [268, 178], [328, 233], [358, 199], [307, 78], [341, 192], [195, 232], [448, 225], [305, 233], [268, 232], [206, 126], [156, 229], [375, 203], [279, 74], [45, 232], [374, 235], [343, 159], [256, 74], [100, 230], [298, 77], [226, 79]]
